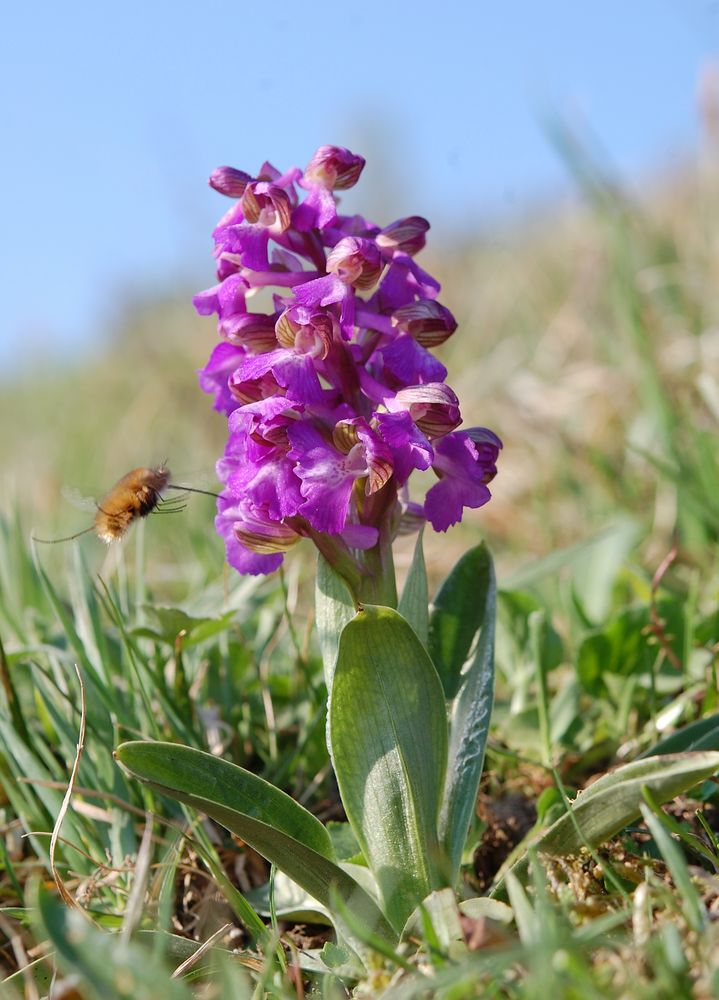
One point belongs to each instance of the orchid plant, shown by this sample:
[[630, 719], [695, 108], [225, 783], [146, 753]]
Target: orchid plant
[[333, 399]]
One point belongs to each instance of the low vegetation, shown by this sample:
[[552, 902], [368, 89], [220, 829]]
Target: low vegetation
[[590, 342]]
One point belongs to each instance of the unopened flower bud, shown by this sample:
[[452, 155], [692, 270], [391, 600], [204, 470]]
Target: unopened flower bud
[[263, 535], [229, 181], [252, 391], [334, 167], [356, 262], [434, 407], [406, 235], [426, 320], [255, 331]]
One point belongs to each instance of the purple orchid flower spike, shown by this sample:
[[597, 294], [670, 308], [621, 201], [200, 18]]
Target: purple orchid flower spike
[[333, 395]]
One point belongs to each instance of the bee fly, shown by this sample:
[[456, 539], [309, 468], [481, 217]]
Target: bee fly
[[137, 494]]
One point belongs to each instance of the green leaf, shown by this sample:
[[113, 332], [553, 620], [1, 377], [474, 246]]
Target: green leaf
[[437, 920], [388, 734], [202, 774], [470, 715], [620, 648], [614, 801], [415, 597], [595, 574], [700, 735], [457, 613], [172, 621], [528, 924], [478, 907], [343, 839], [291, 901], [334, 608], [369, 939], [271, 822]]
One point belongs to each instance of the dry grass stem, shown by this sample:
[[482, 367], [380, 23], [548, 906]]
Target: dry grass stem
[[66, 800]]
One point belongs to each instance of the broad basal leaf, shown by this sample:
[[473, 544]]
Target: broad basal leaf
[[612, 802], [388, 733], [271, 822]]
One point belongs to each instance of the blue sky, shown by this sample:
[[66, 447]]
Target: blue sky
[[113, 116]]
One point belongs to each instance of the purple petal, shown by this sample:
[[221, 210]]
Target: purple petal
[[428, 321], [298, 375], [411, 363], [375, 390], [461, 484], [378, 456], [206, 302], [403, 282], [488, 447], [250, 244], [356, 260], [317, 211], [241, 558], [433, 406], [215, 375], [270, 485], [294, 372], [266, 419], [255, 331], [246, 561], [321, 291], [360, 536], [424, 285], [225, 299], [405, 236], [325, 291], [446, 500], [232, 217], [284, 259], [410, 448]]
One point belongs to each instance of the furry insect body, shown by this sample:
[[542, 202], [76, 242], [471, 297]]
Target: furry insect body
[[136, 495]]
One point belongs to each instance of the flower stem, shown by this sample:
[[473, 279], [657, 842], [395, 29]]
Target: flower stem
[[378, 584]]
